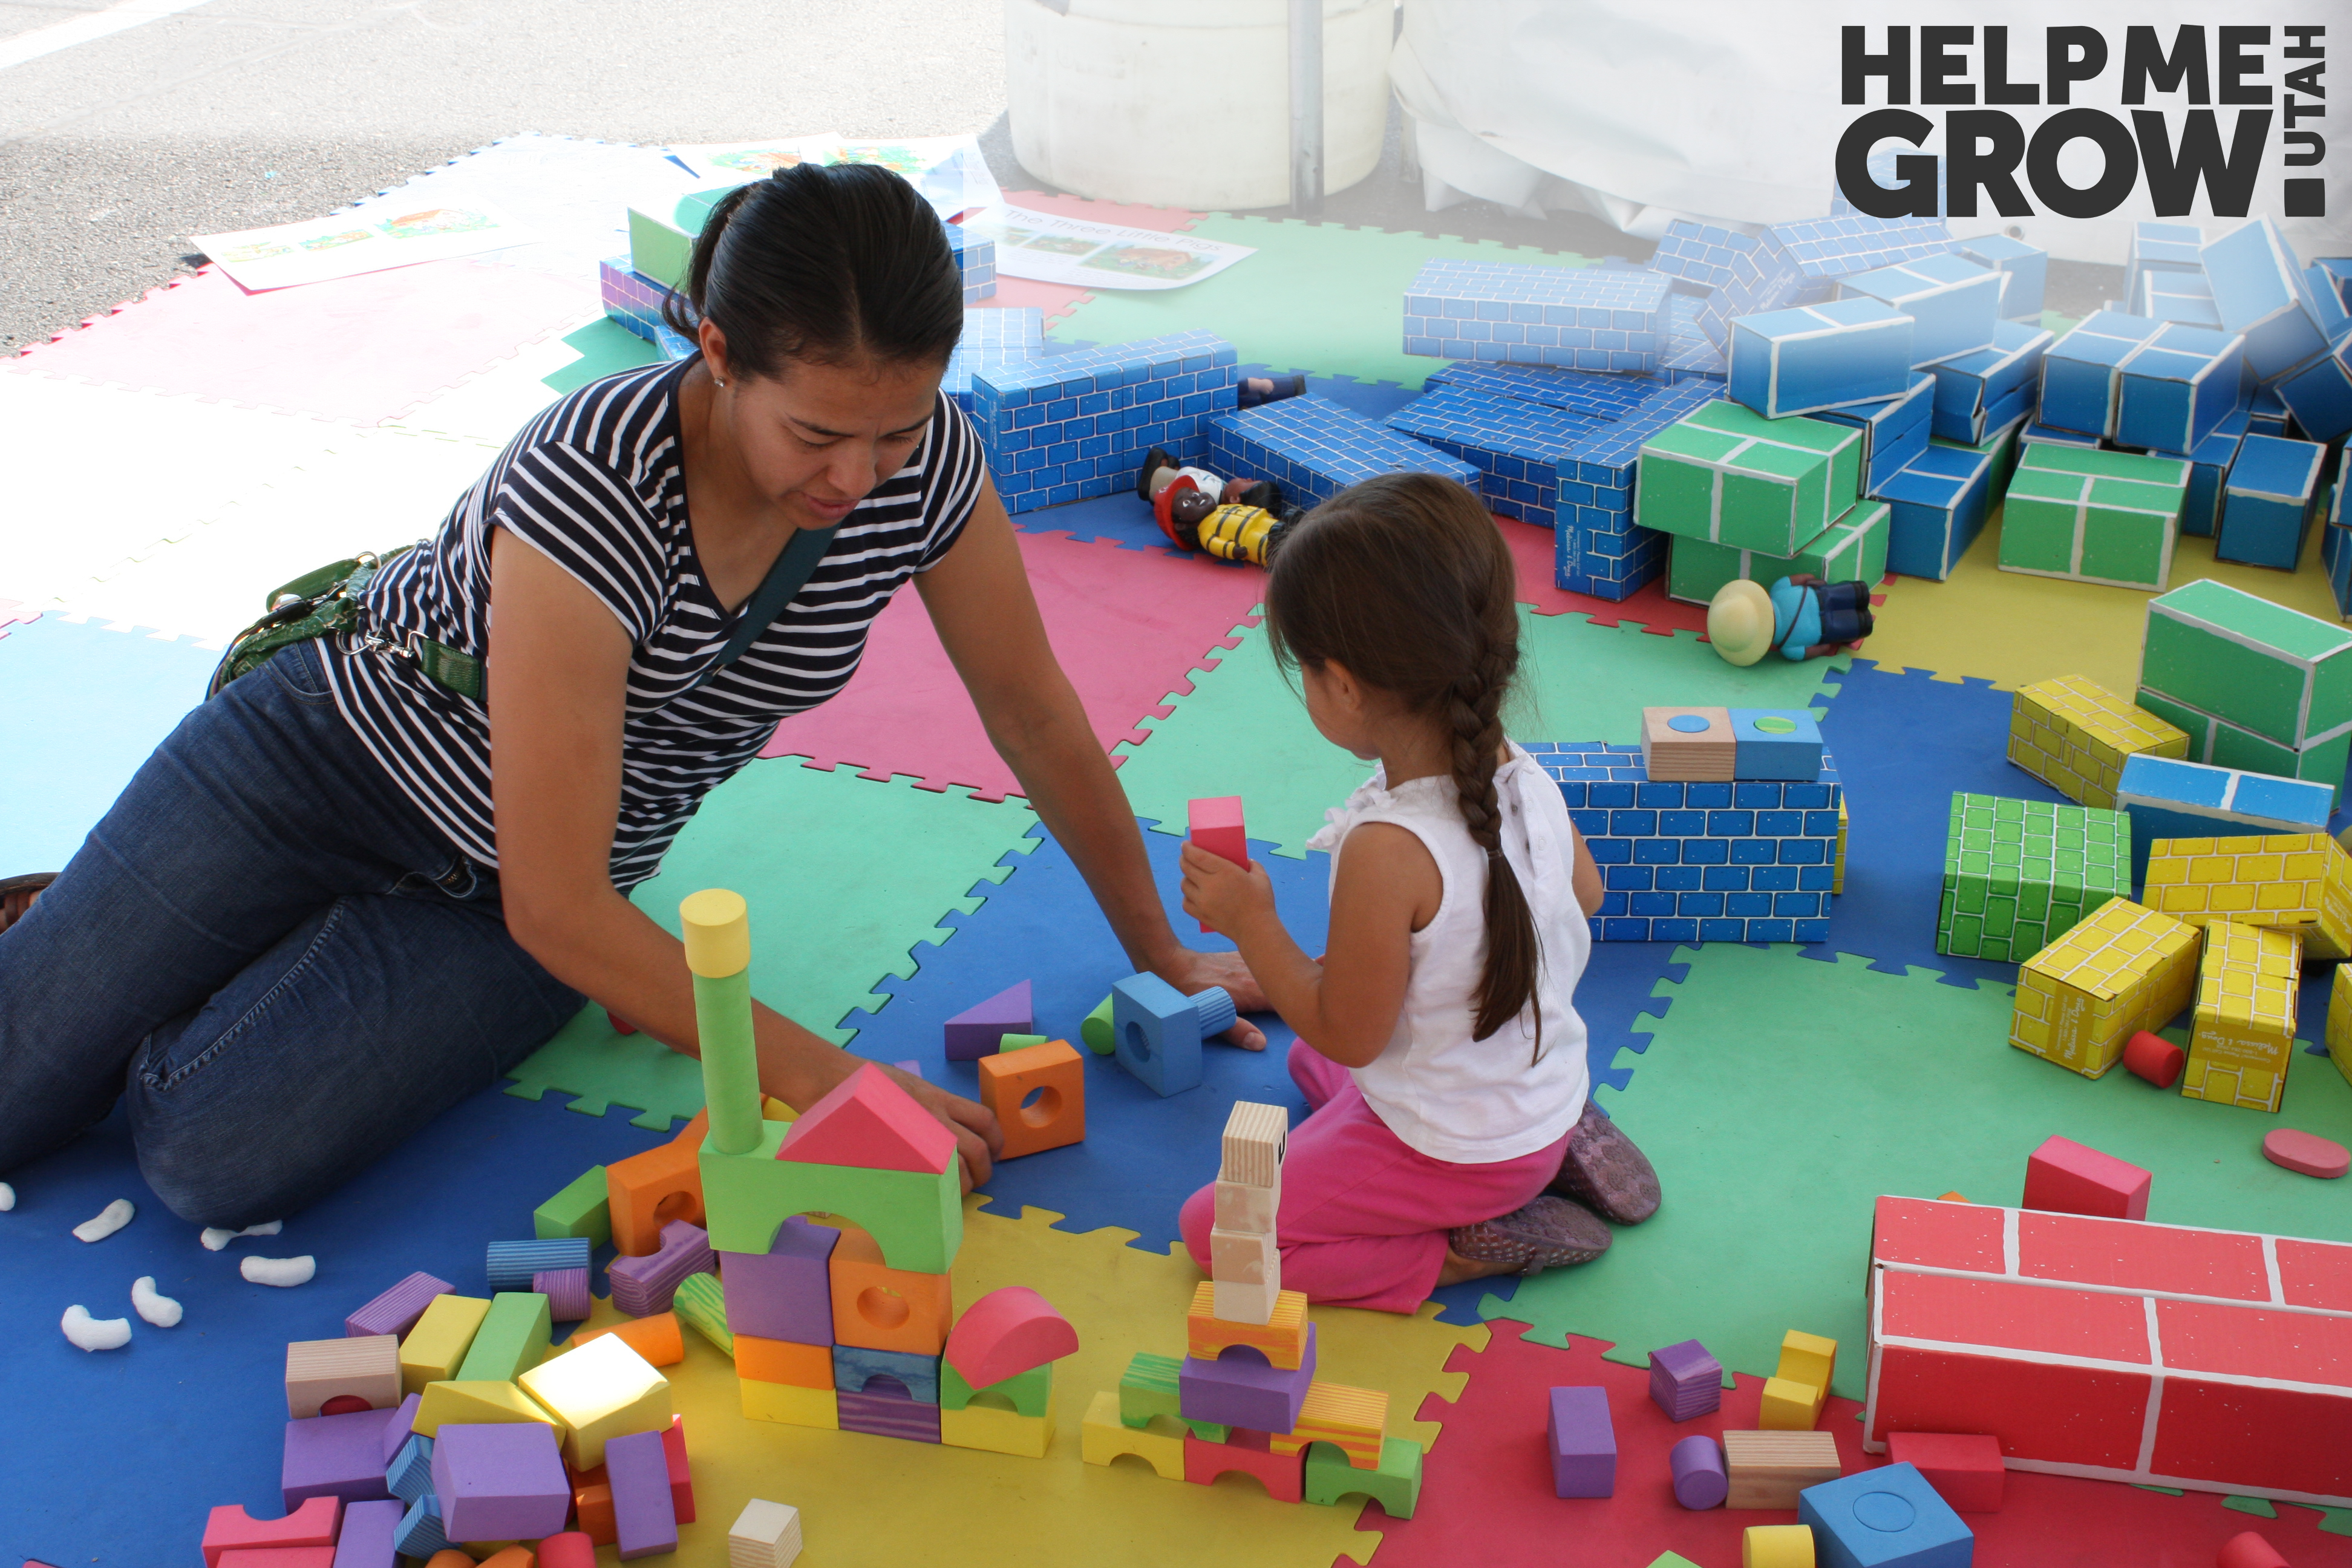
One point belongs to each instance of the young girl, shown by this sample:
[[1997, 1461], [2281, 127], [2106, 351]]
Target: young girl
[[1450, 1135]]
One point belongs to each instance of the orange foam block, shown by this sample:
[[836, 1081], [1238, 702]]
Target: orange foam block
[[1005, 1333], [1281, 1338], [869, 1123], [884, 1308], [1053, 1072], [658, 1338], [2066, 1177], [511, 1557], [649, 1190], [231, 1529], [784, 1361]]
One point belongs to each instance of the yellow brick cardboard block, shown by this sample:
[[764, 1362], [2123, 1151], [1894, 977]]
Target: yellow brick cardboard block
[[2124, 969], [2243, 1037], [2073, 734], [2339, 1020], [2288, 881]]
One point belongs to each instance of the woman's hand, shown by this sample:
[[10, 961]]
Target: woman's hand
[[979, 1139], [1193, 972]]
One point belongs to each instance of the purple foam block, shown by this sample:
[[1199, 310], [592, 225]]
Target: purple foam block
[[786, 1293], [974, 1032], [911, 1069], [335, 1455], [888, 1415], [365, 1540], [643, 1518], [396, 1430], [1685, 1380], [499, 1481], [643, 1286], [1238, 1389], [1699, 1478], [396, 1311], [1582, 1442], [566, 1291]]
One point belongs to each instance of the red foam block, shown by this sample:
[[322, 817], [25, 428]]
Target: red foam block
[[2249, 1550], [1006, 1333], [870, 1122], [2306, 1151], [1284, 1474], [681, 1479], [2155, 1058], [1965, 1469], [2068, 1177], [230, 1528]]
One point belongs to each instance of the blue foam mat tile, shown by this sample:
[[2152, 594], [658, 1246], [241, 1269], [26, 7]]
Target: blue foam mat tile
[[84, 706], [201, 1401], [1124, 519]]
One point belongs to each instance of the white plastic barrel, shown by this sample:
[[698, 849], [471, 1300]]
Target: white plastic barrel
[[1188, 104]]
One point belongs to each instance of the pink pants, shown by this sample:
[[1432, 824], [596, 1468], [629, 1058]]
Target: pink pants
[[1364, 1217]]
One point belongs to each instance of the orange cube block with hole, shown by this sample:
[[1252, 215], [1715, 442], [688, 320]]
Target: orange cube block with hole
[[885, 1308], [649, 1190], [1039, 1096]]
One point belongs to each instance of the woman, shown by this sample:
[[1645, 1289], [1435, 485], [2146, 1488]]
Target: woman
[[370, 876]]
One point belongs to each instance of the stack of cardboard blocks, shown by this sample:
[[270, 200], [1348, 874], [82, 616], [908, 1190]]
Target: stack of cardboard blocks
[[1074, 425], [2020, 874], [2075, 736], [2080, 1000], [1314, 448], [2298, 337], [2257, 686], [1245, 1396], [2336, 543]]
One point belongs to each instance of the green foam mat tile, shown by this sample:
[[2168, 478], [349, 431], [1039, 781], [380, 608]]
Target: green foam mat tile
[[1319, 296], [1779, 1098], [845, 876], [605, 348], [1243, 730]]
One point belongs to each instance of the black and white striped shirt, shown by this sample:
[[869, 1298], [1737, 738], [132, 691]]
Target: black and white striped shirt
[[597, 483]]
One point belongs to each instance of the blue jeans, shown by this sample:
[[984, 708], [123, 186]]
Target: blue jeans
[[267, 947]]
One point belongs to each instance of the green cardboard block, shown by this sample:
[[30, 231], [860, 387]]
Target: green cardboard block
[[2273, 672], [511, 1341], [1729, 475], [1029, 1392], [583, 1209], [658, 249], [2093, 516], [1851, 549], [914, 1216], [693, 213], [1395, 1485], [2227, 745], [2020, 874]]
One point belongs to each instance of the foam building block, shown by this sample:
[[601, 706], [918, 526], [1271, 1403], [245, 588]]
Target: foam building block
[[868, 1122], [889, 1415], [1517, 447], [886, 1373], [1777, 1546], [2168, 798], [402, 1426], [1394, 1483], [2263, 296], [1745, 861], [2079, 372], [2078, 737], [1972, 388], [320, 1371], [1894, 430], [2208, 471], [2319, 393], [1157, 1030], [512, 1338], [784, 1361], [230, 1528], [1688, 744], [1597, 319], [473, 1402], [1767, 1470], [1939, 502], [1974, 1333], [2249, 1549], [1314, 448], [2306, 1153], [785, 1292], [366, 1539], [566, 1289], [1953, 302], [645, 1516], [1598, 548], [1582, 1442], [2175, 387], [1069, 426], [1888, 1516], [2243, 1040], [2019, 875], [1283, 1476], [2066, 1177], [1235, 1391], [2024, 272], [2093, 516], [915, 1217], [1038, 1094], [2268, 501], [1347, 1419], [1794, 1394], [1007, 1332], [1696, 1467], [1851, 549], [643, 1287], [791, 1404], [1835, 354], [2121, 970], [335, 1455], [1775, 745], [510, 1264], [1685, 1380], [878, 1306], [408, 1474], [657, 1338], [502, 1483], [1028, 1394], [420, 1535], [1965, 1469], [1158, 1440], [977, 1030], [651, 1189], [598, 1391], [764, 1535], [1728, 474], [2256, 685], [396, 1311], [436, 1346], [2298, 882]]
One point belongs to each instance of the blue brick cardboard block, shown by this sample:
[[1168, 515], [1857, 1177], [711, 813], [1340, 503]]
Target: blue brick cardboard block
[[2024, 272], [2263, 296], [1516, 446], [635, 302], [2054, 436], [2332, 275], [2209, 467], [1940, 501], [2078, 373], [1597, 549], [2183, 297], [976, 260], [2320, 394], [1775, 744], [1813, 256], [993, 336], [2176, 387], [1954, 300], [1066, 426], [1724, 271], [2161, 249], [2168, 797], [1749, 860], [1314, 448], [1591, 393], [1836, 355], [1691, 354], [2267, 501], [1591, 317], [1894, 430], [1973, 388]]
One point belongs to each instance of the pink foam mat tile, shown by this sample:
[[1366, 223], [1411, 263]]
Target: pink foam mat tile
[[359, 349], [1127, 626], [1058, 299]]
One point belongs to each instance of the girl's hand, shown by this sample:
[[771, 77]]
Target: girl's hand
[[978, 1136], [1224, 896], [1195, 971]]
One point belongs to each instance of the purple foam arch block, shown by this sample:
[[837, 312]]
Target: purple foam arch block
[[786, 1293], [1239, 1389], [396, 1311]]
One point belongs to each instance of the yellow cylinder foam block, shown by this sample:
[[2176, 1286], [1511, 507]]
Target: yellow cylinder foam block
[[1777, 1546], [717, 927], [435, 1348]]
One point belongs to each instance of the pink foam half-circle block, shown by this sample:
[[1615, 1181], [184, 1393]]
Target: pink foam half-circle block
[[2306, 1151], [1005, 1333], [870, 1122]]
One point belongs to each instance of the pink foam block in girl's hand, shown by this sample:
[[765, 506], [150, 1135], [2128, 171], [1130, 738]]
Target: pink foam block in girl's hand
[[1005, 1333], [2306, 1151]]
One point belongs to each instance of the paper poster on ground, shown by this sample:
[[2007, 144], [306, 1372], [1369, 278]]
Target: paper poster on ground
[[1055, 249], [355, 241]]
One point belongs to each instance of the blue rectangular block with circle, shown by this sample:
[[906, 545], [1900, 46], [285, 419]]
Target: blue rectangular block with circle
[[1894, 431], [1834, 355], [1939, 502], [1885, 1518], [1775, 744], [1156, 1034], [2267, 501]]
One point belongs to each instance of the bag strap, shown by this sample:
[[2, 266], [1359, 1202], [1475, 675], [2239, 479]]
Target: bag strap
[[784, 581]]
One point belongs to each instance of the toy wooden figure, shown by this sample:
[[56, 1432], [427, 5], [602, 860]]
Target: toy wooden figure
[[1802, 616], [1232, 518]]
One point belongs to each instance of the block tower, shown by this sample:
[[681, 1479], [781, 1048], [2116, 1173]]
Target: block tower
[[1245, 1396], [850, 1323]]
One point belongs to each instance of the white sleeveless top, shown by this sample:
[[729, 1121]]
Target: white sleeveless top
[[1475, 1103]]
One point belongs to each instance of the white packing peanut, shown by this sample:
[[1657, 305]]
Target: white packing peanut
[[95, 1333], [214, 1238], [7, 1197], [157, 1308], [279, 1270], [110, 1218]]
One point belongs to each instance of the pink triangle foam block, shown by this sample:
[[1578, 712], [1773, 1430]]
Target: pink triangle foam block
[[2067, 1177], [974, 1032], [869, 1123], [1005, 1333], [2307, 1152]]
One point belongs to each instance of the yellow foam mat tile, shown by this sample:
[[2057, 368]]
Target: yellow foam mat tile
[[882, 1502]]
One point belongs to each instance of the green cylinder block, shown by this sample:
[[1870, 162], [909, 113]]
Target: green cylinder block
[[730, 1061]]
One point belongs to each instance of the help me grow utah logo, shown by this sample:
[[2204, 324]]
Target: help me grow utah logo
[[2261, 83]]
